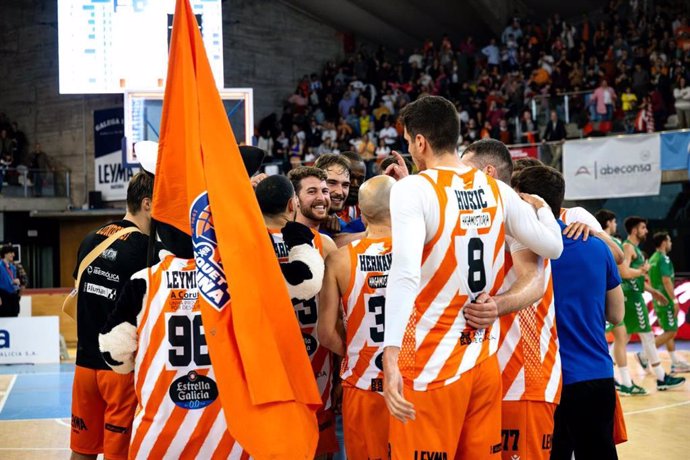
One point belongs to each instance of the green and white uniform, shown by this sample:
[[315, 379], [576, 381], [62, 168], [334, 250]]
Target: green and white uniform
[[636, 315], [661, 266], [609, 326]]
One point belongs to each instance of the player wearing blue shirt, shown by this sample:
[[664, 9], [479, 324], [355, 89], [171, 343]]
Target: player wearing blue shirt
[[587, 293]]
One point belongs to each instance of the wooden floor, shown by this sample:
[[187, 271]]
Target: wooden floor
[[657, 425]]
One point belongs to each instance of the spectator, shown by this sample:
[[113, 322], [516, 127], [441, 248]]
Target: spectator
[[603, 99], [40, 168], [389, 134], [9, 284], [492, 53], [629, 106], [503, 133], [681, 93], [529, 133], [555, 134]]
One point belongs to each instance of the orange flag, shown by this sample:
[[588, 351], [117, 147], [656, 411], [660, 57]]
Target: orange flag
[[266, 385]]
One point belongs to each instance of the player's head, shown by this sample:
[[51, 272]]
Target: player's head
[[7, 252], [276, 196], [662, 241], [544, 181], [374, 200], [431, 127], [492, 157], [313, 198], [358, 173], [337, 170], [636, 226], [520, 164], [607, 220], [139, 193]]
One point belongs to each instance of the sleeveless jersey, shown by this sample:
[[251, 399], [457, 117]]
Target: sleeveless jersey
[[528, 346], [307, 316], [635, 284], [364, 304], [179, 414], [464, 258]]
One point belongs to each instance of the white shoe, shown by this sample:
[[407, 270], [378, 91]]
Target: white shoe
[[680, 367]]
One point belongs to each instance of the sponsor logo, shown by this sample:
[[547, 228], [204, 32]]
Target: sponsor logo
[[97, 271], [377, 385], [100, 291], [109, 173], [378, 263], [378, 362], [608, 170], [115, 428], [109, 254], [546, 441], [475, 220], [210, 276], [4, 338], [470, 336], [310, 343], [193, 391], [182, 299], [78, 424], [378, 282], [180, 279], [430, 455]]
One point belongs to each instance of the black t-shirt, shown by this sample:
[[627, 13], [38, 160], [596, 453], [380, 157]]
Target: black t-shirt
[[101, 284]]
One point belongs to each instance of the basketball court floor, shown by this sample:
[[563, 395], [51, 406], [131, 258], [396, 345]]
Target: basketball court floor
[[35, 414]]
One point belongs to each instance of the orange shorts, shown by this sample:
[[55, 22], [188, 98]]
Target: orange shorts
[[328, 441], [103, 405], [620, 431], [460, 420], [527, 429], [365, 424]]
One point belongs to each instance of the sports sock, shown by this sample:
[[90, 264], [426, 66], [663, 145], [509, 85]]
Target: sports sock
[[626, 380], [659, 371], [649, 347], [674, 358]]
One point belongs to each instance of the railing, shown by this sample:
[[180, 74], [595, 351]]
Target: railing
[[22, 182]]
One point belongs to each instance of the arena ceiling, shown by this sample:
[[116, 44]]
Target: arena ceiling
[[409, 22]]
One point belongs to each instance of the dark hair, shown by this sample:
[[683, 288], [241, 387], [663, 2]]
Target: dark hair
[[391, 159], [490, 152], [544, 181], [604, 216], [659, 238], [140, 187], [352, 157], [273, 194], [632, 222], [302, 172], [526, 162], [435, 118], [6, 250], [327, 160]]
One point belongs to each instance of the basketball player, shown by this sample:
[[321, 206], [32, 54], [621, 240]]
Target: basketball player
[[357, 274], [448, 228], [531, 379], [586, 286], [662, 277], [337, 170], [626, 386], [103, 403], [313, 203], [636, 314], [358, 170]]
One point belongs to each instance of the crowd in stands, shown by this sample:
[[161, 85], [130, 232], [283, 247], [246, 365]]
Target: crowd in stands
[[626, 72]]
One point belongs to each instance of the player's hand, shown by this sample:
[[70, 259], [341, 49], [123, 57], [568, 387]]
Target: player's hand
[[534, 200], [258, 178], [398, 406], [481, 313], [332, 224], [659, 297], [16, 281], [577, 229], [645, 268], [397, 170], [337, 398]]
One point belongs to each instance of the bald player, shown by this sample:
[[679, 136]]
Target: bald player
[[357, 275]]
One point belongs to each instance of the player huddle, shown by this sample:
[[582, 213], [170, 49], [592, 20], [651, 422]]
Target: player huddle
[[461, 314]]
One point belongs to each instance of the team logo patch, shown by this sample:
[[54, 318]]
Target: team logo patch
[[193, 391], [210, 277], [310, 343]]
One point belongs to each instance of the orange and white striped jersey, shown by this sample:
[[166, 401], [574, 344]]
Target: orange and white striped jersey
[[179, 414], [307, 316], [464, 258], [364, 304], [528, 346]]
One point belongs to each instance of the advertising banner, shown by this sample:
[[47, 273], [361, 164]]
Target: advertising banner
[[675, 150], [531, 151], [111, 176], [613, 167], [30, 340]]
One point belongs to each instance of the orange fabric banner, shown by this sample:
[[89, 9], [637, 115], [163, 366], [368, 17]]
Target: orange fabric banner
[[266, 384]]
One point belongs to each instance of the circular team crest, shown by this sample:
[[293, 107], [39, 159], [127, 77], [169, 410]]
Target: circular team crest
[[210, 276]]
